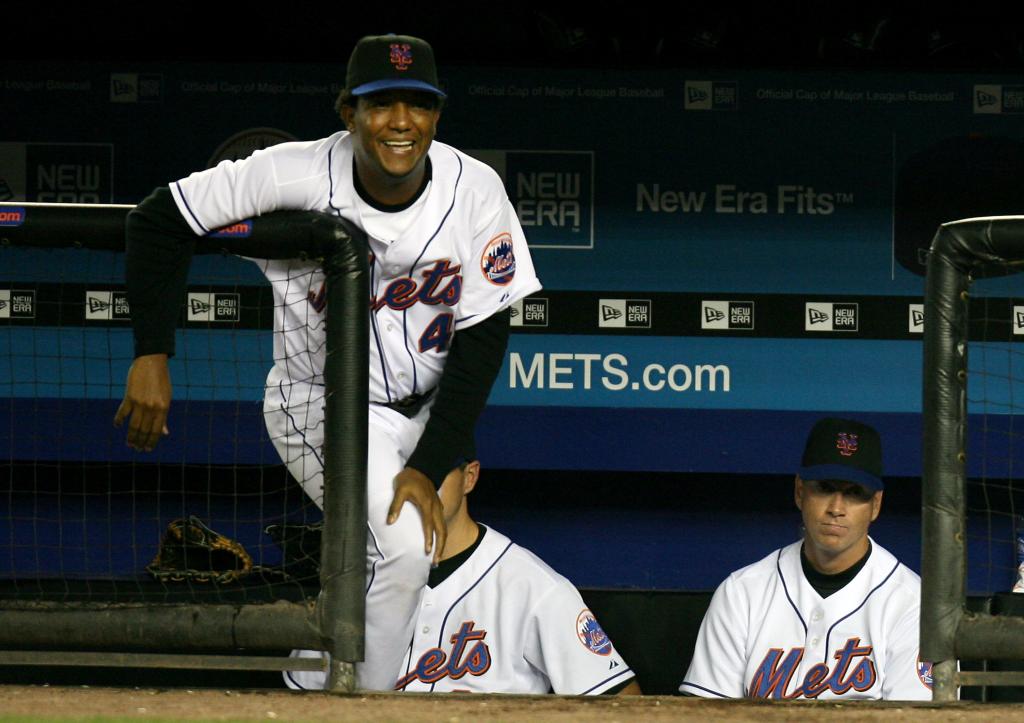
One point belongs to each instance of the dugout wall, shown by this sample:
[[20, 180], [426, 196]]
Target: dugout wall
[[128, 624]]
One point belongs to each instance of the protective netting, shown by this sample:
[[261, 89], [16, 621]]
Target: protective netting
[[81, 514], [995, 444]]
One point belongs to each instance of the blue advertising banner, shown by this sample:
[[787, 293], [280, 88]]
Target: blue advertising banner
[[735, 242]]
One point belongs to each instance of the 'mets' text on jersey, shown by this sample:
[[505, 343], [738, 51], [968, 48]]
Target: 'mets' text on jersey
[[769, 634], [459, 256], [505, 622]]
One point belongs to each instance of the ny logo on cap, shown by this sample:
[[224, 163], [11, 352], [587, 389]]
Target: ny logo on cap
[[401, 55], [846, 443]]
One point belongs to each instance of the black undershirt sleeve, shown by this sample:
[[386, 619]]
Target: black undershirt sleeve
[[469, 372], [158, 250]]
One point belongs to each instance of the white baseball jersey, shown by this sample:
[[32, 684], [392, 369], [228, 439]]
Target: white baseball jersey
[[456, 256], [505, 622], [452, 258], [769, 634]]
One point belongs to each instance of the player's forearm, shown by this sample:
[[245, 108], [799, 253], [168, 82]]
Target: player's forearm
[[472, 365], [158, 251]]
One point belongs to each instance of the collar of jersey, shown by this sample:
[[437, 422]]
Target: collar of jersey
[[825, 584], [445, 568], [369, 200]]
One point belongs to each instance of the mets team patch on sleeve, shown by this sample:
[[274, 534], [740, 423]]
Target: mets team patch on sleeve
[[591, 635], [499, 263]]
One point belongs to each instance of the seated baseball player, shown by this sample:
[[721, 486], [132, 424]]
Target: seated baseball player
[[494, 618], [832, 616]]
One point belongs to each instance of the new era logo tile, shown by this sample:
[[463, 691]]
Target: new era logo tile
[[198, 309], [825, 316], [552, 193], [727, 315], [710, 95], [624, 313], [915, 318], [999, 99], [106, 306], [1018, 320], [818, 316], [215, 307], [529, 312], [698, 95], [988, 99], [611, 313], [135, 88], [16, 304], [714, 315]]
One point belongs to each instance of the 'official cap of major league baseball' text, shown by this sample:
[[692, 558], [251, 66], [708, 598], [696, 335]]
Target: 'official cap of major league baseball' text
[[385, 62], [843, 449]]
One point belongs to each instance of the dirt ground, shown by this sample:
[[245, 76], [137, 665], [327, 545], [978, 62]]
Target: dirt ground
[[25, 703]]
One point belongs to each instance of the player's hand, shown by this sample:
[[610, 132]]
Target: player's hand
[[411, 485], [147, 399]]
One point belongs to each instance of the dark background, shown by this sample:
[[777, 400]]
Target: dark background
[[918, 36]]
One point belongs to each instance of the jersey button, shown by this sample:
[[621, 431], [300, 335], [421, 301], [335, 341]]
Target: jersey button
[[816, 616], [426, 629], [814, 641], [401, 375]]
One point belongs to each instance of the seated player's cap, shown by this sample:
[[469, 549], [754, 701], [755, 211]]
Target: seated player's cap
[[386, 62], [845, 450]]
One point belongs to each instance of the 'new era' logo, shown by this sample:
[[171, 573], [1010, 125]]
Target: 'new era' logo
[[106, 306], [916, 318], [711, 314], [1018, 320], [829, 316], [217, 307], [988, 99], [98, 305], [727, 315], [817, 316], [622, 313], [531, 311], [985, 99], [17, 304], [710, 95]]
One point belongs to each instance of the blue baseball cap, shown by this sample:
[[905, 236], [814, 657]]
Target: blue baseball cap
[[386, 62], [844, 450]]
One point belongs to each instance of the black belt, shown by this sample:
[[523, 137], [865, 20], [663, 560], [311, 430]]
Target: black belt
[[409, 406]]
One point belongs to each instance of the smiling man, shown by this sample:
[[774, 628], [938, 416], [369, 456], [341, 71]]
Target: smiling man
[[447, 259], [833, 616]]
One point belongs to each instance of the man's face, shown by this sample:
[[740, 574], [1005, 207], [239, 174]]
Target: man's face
[[836, 518], [393, 130]]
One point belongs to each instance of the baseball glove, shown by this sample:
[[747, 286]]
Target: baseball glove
[[189, 550]]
